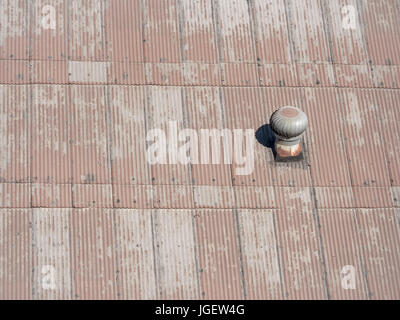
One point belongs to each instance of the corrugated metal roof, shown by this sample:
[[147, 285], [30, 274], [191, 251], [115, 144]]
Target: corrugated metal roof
[[84, 215], [342, 248], [175, 254], [51, 249], [135, 254], [93, 254], [259, 247]]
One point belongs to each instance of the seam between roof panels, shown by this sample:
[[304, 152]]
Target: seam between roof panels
[[316, 219], [234, 209], [253, 34], [190, 185], [320, 241], [361, 249], [192, 210], [326, 63], [195, 208], [278, 254], [194, 86]]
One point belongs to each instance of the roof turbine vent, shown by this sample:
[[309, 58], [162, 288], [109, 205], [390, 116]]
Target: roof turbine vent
[[288, 124]]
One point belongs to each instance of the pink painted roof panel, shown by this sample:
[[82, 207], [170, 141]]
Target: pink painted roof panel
[[85, 215]]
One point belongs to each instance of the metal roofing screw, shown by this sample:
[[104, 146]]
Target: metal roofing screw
[[288, 124]]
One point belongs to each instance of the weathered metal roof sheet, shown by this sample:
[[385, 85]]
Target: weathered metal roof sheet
[[83, 214]]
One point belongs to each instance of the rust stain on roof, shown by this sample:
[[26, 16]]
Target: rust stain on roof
[[84, 215]]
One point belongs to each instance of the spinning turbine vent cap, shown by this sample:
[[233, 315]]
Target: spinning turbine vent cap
[[288, 124]]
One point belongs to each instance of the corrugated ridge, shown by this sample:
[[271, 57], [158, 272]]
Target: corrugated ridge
[[126, 73], [211, 174], [242, 109], [202, 110], [372, 197], [161, 36], [278, 75], [341, 248], [170, 74], [201, 74], [348, 45], [306, 30], [87, 72], [165, 105], [14, 40], [15, 254], [300, 260], [248, 197], [334, 197], [92, 196], [172, 196], [86, 34], [123, 23], [260, 256], [379, 235], [133, 196], [14, 146], [362, 136], [14, 71], [353, 76], [128, 145], [14, 195], [49, 130], [175, 254], [52, 72], [47, 43], [135, 252], [271, 31], [388, 101], [213, 197], [51, 254], [219, 262], [239, 74], [386, 77], [93, 256], [235, 31], [395, 196], [327, 155], [51, 195], [199, 38], [382, 31], [89, 137], [315, 75]]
